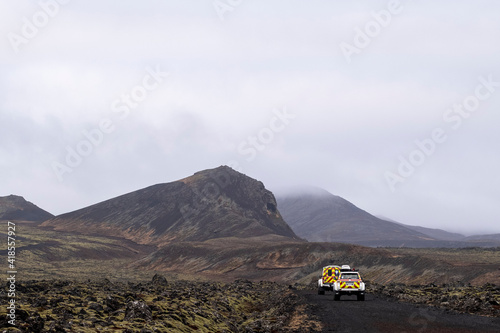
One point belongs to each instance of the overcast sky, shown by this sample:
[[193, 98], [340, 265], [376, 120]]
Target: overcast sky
[[393, 105]]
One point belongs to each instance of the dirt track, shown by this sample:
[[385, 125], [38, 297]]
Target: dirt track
[[381, 314]]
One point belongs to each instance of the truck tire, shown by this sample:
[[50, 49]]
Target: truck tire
[[321, 291], [361, 297], [336, 297]]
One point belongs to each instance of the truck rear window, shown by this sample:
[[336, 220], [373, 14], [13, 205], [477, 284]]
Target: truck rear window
[[350, 276]]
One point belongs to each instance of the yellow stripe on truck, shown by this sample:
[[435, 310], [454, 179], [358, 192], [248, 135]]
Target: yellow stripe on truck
[[331, 274], [330, 279]]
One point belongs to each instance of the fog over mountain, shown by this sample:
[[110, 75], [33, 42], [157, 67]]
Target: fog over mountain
[[319, 216], [104, 98]]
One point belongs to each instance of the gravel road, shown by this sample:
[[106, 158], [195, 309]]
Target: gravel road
[[382, 314]]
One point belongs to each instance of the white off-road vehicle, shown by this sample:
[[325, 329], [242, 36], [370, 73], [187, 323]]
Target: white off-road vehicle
[[349, 283], [329, 275]]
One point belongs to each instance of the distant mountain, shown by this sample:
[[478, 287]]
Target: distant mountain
[[434, 233], [482, 238], [214, 203], [451, 239], [15, 207], [320, 216]]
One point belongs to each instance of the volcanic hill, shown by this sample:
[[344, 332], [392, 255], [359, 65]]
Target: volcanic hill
[[16, 208], [214, 203], [319, 216]]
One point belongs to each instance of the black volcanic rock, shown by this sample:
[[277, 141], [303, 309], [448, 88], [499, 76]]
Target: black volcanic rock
[[138, 309], [320, 216], [159, 280], [210, 204], [14, 207]]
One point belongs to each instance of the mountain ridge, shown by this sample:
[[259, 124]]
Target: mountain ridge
[[213, 203], [320, 216], [15, 207]]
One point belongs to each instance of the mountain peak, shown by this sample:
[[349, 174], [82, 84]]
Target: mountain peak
[[14, 198], [220, 173], [331, 218], [15, 207], [213, 203]]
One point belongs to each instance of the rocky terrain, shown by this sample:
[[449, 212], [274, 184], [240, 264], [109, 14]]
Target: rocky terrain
[[154, 306], [161, 305], [458, 297]]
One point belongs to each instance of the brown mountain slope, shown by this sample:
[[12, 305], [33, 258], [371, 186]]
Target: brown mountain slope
[[14, 207], [49, 254], [320, 216], [290, 261], [210, 204]]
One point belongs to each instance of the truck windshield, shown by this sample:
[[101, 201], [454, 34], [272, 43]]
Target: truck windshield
[[350, 276]]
